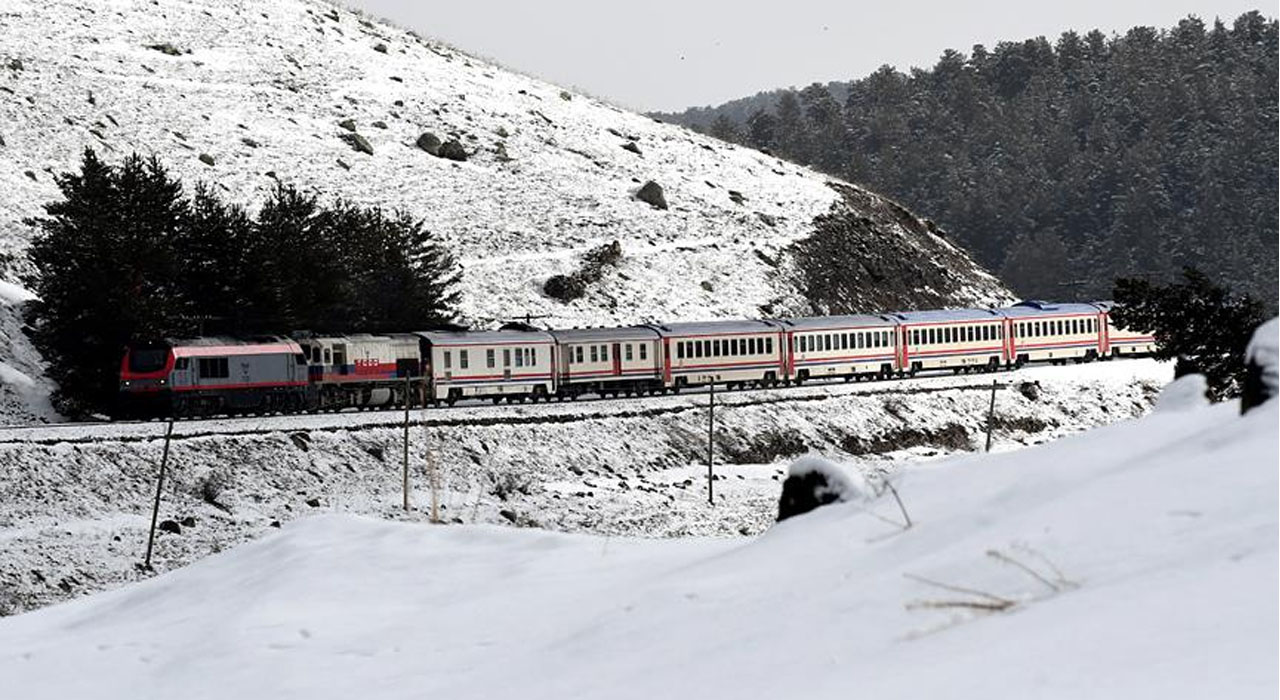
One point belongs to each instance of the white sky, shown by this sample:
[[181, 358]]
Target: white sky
[[672, 54]]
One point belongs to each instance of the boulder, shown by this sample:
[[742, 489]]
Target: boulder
[[1261, 362], [206, 159], [429, 142], [631, 146], [453, 150], [358, 143], [348, 124], [813, 482], [380, 48], [170, 526], [651, 194]]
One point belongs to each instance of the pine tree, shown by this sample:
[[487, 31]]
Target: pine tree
[[1197, 321], [104, 274]]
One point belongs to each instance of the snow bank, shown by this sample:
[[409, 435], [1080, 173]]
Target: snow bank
[[1133, 561], [11, 294], [1184, 393], [1262, 362]]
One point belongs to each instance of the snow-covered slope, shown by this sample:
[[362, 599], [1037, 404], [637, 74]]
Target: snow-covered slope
[[1133, 561], [548, 179], [258, 88]]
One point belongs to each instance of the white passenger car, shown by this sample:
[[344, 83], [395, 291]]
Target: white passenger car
[[511, 364], [607, 361], [735, 353], [1118, 341], [959, 340], [1041, 331], [839, 346]]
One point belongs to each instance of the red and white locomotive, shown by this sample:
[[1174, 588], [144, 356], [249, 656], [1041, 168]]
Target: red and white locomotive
[[207, 376]]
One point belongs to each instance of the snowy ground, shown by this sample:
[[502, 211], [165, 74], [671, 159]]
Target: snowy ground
[[75, 501], [1137, 560]]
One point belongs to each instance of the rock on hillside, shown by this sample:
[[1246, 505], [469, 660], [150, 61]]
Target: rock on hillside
[[274, 91]]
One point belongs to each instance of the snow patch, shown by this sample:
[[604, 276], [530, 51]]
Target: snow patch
[[1184, 393]]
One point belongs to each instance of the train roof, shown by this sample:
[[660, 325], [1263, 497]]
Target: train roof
[[507, 337], [1028, 309], [214, 346], [818, 323], [588, 335], [364, 337], [945, 315], [713, 327]]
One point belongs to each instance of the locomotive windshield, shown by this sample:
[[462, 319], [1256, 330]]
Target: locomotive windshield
[[147, 359]]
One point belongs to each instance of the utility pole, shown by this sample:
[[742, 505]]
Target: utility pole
[[155, 508], [991, 413], [405, 484], [711, 429]]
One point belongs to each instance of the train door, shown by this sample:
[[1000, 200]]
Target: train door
[[786, 347], [1104, 334], [1009, 344], [616, 356], [666, 361]]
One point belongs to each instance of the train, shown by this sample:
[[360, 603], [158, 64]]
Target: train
[[209, 376]]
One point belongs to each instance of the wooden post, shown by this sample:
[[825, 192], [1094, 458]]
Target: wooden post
[[405, 480], [155, 508], [991, 413], [432, 478], [711, 429]]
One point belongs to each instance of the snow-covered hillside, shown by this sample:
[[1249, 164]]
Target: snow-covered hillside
[[1134, 561], [250, 93], [261, 86]]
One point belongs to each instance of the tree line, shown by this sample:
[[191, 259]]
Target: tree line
[[129, 255], [1062, 166]]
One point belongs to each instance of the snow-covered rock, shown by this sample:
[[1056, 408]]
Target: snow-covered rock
[[814, 481], [1184, 393], [1133, 561], [1262, 363]]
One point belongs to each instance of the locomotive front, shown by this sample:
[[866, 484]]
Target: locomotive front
[[145, 381]]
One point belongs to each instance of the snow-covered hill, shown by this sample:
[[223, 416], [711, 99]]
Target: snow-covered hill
[[1134, 561], [258, 89]]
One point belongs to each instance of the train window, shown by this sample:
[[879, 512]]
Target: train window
[[448, 359], [715, 348], [533, 356], [214, 368], [326, 357], [577, 351], [488, 358], [930, 336], [859, 340], [628, 352], [826, 342], [768, 345], [643, 352], [680, 350], [183, 363], [506, 357], [519, 357], [462, 359], [595, 353], [604, 353]]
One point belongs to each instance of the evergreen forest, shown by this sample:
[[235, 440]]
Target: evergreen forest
[[1061, 165]]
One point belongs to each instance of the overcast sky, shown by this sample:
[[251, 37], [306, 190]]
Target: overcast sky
[[672, 54]]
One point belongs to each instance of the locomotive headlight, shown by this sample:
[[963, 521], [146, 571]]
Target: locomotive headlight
[[162, 382]]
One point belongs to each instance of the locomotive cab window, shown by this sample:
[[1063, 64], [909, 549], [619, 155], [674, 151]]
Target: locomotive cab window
[[214, 368], [183, 363]]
